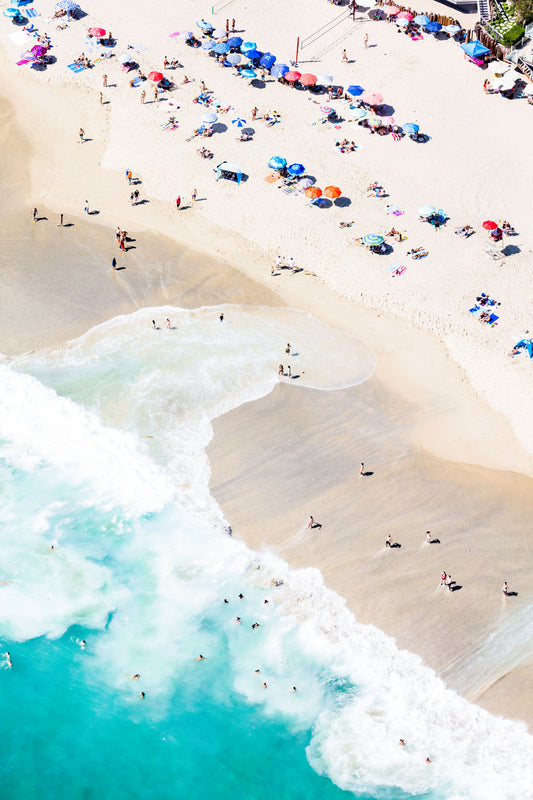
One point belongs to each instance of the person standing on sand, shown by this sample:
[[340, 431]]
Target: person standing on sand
[[114, 263], [34, 214], [366, 40], [233, 26], [60, 223], [167, 324], [156, 94], [428, 537], [289, 372], [443, 578], [101, 99], [281, 370], [344, 57], [194, 195], [448, 582], [129, 175], [362, 470], [178, 203], [86, 209], [388, 541], [227, 27], [505, 588], [82, 135], [104, 81], [143, 97]]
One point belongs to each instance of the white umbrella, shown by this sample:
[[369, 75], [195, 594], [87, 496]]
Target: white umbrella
[[324, 80], [124, 58], [218, 33]]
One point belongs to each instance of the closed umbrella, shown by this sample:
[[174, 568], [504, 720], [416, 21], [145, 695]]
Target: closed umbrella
[[277, 162], [248, 73], [355, 90], [218, 33], [421, 19], [426, 211], [234, 58], [205, 26], [332, 192], [209, 118], [373, 239], [268, 61], [307, 79], [239, 122], [292, 76], [390, 11], [296, 169], [433, 27], [410, 127], [221, 47], [402, 22], [324, 80], [248, 46], [313, 192], [371, 98], [279, 70], [358, 113], [489, 225], [96, 32], [235, 41], [155, 76], [405, 15]]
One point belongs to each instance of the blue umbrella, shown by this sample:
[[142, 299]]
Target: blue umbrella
[[221, 47], [296, 169], [373, 239], [248, 46], [205, 26], [67, 5], [277, 162], [279, 70], [433, 27], [410, 127], [238, 122], [11, 12], [208, 45], [355, 91], [252, 53], [268, 61], [248, 73], [233, 58], [452, 29], [402, 22], [235, 41], [421, 19]]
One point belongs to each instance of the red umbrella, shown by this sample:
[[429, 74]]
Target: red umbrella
[[405, 15], [292, 75], [313, 192], [156, 76], [332, 191], [96, 32], [307, 79], [489, 225]]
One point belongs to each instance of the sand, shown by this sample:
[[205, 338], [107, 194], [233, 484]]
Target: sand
[[439, 434]]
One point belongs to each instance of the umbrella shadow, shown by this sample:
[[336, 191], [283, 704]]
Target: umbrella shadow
[[258, 83], [510, 250], [219, 127], [323, 202], [343, 202], [248, 131]]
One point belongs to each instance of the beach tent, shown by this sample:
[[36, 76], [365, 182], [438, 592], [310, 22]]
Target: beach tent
[[230, 171], [528, 344], [475, 49]]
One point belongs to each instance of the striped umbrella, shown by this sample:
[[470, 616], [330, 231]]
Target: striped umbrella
[[374, 122], [373, 239], [327, 110], [239, 122]]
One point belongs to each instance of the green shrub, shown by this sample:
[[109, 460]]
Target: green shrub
[[513, 35]]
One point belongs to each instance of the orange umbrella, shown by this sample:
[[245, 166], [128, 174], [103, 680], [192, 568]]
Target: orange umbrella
[[313, 192], [332, 191]]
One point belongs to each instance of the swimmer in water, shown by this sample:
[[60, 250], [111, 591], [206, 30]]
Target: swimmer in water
[[200, 658], [82, 643], [257, 671], [264, 686], [51, 547], [240, 596], [402, 742], [255, 625], [293, 690], [135, 677], [265, 602], [226, 601], [237, 619], [8, 662], [142, 696]]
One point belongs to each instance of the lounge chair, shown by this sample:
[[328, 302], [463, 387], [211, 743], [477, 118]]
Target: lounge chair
[[496, 255]]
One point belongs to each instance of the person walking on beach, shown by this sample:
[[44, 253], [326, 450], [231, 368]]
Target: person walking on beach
[[233, 26], [291, 265], [254, 112], [136, 196], [178, 203], [194, 195], [443, 578], [288, 349], [289, 372], [82, 135], [505, 588], [129, 175], [362, 470], [366, 40], [34, 214], [227, 27], [156, 94], [143, 97], [132, 198], [312, 524], [281, 370], [86, 209], [428, 537], [101, 99], [104, 81], [60, 223], [449, 582], [154, 325], [114, 263], [388, 541], [344, 57], [167, 324]]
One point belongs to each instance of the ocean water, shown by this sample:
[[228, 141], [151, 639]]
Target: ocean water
[[102, 458]]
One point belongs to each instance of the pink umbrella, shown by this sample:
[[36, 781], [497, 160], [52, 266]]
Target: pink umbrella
[[370, 98], [307, 79], [405, 15], [387, 120], [96, 32], [292, 75], [390, 11]]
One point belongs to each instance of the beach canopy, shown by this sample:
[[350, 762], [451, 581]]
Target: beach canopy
[[248, 73], [390, 11], [313, 192], [475, 49], [489, 225], [96, 32], [373, 239], [421, 19], [205, 26], [235, 41], [279, 70], [277, 162], [410, 127], [248, 46], [307, 79], [221, 48], [292, 75], [433, 27], [239, 122], [296, 169], [67, 5], [324, 80], [268, 61], [452, 29], [402, 22], [358, 113], [155, 76], [332, 192], [230, 171], [234, 58], [355, 90], [209, 118], [371, 98], [426, 211]]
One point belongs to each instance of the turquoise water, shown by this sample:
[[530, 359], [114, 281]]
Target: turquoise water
[[110, 535]]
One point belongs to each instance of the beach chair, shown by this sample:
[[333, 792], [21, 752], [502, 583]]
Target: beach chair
[[496, 255]]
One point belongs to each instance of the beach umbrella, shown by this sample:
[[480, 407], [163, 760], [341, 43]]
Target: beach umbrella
[[296, 169], [373, 239], [489, 225], [374, 122], [452, 29], [421, 19], [218, 33], [292, 75], [185, 35], [248, 73], [390, 11], [155, 76], [358, 113], [11, 12], [67, 5], [125, 58], [402, 22], [208, 45], [252, 53], [307, 79], [221, 47], [405, 15], [327, 110], [426, 211], [433, 27], [239, 122], [332, 192], [313, 192], [268, 61], [324, 80], [234, 58], [235, 41], [209, 118], [387, 120], [355, 90], [410, 127], [38, 50], [96, 32], [371, 98], [248, 46], [279, 70], [277, 162], [205, 26]]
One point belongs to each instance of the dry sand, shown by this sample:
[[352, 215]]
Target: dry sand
[[420, 414]]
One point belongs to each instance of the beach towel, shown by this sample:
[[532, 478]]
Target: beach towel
[[394, 267], [397, 272], [76, 67], [396, 137], [272, 178], [136, 82], [493, 320], [474, 309], [290, 190], [172, 35], [139, 48], [416, 38], [24, 61], [394, 210], [32, 12]]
